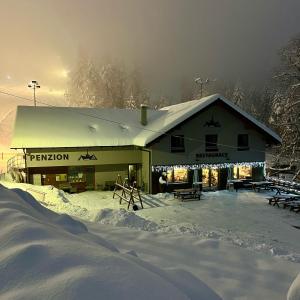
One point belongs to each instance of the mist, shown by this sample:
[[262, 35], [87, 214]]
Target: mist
[[168, 40]]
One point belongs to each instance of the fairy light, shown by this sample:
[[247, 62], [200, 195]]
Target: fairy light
[[208, 166]]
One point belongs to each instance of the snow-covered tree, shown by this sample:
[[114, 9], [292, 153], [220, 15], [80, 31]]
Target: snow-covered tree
[[114, 79], [106, 84], [238, 94], [161, 102], [85, 84], [285, 115], [137, 93]]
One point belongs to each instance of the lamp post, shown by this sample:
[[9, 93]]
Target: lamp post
[[34, 85], [201, 82]]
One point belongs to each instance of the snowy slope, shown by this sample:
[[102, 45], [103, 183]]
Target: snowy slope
[[44, 255]]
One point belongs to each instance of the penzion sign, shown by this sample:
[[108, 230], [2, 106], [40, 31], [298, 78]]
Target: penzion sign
[[59, 157], [48, 157]]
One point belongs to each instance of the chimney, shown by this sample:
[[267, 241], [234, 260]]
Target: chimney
[[144, 108]]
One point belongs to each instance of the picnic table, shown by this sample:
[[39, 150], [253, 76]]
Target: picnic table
[[277, 199], [234, 184], [293, 204], [257, 185], [190, 193], [279, 189]]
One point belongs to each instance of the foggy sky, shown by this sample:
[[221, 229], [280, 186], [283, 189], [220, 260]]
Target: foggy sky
[[167, 39]]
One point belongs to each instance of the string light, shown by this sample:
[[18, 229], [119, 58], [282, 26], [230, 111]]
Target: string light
[[208, 166]]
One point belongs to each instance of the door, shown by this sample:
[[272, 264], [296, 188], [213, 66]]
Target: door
[[132, 174], [210, 178], [37, 179]]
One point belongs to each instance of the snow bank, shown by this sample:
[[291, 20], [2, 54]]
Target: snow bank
[[294, 290], [124, 218], [44, 255]]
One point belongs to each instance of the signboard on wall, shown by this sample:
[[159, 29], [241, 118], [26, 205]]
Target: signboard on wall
[[211, 154], [81, 158]]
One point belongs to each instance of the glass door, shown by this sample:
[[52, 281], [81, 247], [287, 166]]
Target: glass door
[[214, 178], [132, 174], [205, 178], [210, 178]]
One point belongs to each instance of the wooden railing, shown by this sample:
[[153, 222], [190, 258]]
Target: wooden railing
[[16, 162], [127, 193]]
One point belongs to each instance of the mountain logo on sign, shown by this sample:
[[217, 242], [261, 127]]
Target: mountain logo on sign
[[87, 156]]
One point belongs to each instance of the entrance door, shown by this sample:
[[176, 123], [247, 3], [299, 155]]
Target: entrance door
[[210, 178], [132, 174]]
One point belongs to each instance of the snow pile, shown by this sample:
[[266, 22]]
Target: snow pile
[[44, 255], [124, 218], [243, 219], [294, 291]]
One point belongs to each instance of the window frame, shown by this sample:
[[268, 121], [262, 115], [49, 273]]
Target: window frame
[[211, 146], [177, 143], [241, 146]]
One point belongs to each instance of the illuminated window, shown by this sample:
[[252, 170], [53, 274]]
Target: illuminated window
[[235, 172], [170, 176], [61, 177], [210, 177], [245, 172], [180, 175], [205, 177], [242, 172], [177, 175]]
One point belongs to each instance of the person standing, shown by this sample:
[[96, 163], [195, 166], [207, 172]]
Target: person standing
[[163, 182]]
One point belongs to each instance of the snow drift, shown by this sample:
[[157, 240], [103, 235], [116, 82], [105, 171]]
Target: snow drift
[[294, 290], [44, 255]]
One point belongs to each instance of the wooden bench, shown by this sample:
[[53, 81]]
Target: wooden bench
[[184, 194]]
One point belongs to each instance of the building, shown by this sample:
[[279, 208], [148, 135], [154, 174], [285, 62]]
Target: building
[[209, 140]]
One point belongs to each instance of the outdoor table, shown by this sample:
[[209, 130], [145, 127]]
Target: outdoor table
[[237, 183], [283, 198], [278, 189], [257, 185]]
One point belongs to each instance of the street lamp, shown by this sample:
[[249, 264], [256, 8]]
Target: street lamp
[[201, 81], [34, 85]]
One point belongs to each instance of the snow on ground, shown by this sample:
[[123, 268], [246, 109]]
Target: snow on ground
[[44, 255], [234, 242]]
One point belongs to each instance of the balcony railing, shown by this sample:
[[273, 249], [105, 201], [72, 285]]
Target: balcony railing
[[17, 162]]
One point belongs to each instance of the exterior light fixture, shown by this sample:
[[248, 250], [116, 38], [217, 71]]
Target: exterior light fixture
[[34, 85], [201, 82]]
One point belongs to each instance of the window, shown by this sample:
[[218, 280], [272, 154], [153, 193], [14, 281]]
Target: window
[[243, 142], [211, 141], [177, 143], [242, 172], [177, 175]]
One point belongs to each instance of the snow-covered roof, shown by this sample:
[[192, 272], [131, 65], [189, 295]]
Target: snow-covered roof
[[54, 127]]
